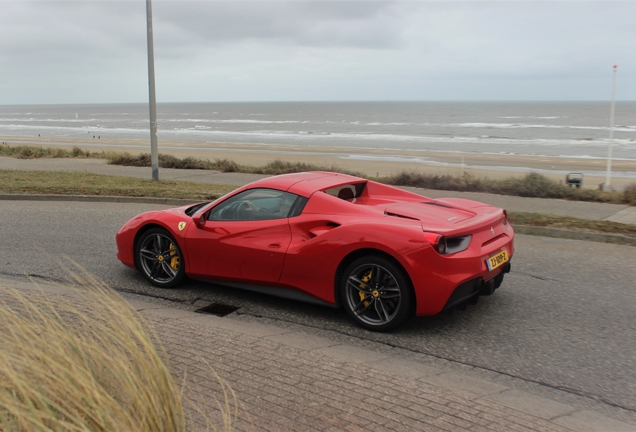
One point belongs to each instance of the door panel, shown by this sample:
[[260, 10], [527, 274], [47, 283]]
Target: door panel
[[251, 251]]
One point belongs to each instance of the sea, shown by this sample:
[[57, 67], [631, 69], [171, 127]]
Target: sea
[[553, 129]]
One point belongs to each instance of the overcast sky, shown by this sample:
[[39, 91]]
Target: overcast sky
[[94, 51]]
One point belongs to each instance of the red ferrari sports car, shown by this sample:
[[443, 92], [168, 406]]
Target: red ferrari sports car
[[382, 253]]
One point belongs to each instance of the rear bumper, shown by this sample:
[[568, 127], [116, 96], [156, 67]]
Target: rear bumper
[[440, 282], [475, 287]]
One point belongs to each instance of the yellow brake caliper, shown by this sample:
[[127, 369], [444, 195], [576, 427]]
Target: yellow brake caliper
[[174, 258], [366, 278]]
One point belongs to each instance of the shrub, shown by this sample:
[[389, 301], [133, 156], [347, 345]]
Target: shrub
[[168, 161], [193, 163], [26, 153], [535, 185], [126, 159], [225, 165], [629, 194], [78, 152]]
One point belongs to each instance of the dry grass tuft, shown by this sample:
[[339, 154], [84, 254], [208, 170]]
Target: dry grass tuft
[[90, 367]]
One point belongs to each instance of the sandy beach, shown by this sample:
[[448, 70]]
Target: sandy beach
[[372, 162]]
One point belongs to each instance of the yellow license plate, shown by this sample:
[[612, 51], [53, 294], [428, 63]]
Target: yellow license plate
[[497, 260]]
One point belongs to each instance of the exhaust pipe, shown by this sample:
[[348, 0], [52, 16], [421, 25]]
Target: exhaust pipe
[[487, 288]]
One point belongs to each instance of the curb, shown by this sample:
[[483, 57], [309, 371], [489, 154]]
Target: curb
[[520, 229]]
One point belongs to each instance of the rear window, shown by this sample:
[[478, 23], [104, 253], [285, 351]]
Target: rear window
[[347, 192]]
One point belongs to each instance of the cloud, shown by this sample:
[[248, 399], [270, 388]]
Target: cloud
[[190, 25], [95, 51]]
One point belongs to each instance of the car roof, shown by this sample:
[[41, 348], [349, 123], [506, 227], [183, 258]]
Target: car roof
[[306, 183]]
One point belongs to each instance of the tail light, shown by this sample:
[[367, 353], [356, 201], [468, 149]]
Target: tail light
[[438, 242], [447, 246]]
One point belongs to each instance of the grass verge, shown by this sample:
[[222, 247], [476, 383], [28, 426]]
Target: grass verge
[[79, 183]]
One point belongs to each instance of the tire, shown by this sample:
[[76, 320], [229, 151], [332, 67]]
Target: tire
[[159, 258], [377, 293]]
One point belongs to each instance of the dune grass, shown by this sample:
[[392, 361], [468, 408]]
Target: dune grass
[[165, 161], [34, 152], [224, 165], [531, 185], [80, 183], [91, 368], [92, 364]]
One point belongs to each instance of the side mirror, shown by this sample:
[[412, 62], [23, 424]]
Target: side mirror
[[199, 220]]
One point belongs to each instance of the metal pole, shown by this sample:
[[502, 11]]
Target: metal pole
[[608, 175], [154, 152]]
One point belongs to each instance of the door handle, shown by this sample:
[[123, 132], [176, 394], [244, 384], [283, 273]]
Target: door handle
[[274, 246]]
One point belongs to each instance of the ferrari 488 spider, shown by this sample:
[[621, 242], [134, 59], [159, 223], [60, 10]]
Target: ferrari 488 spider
[[381, 253]]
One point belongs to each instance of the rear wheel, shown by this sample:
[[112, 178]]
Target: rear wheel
[[376, 293], [159, 258]]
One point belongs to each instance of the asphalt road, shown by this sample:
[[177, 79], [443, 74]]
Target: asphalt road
[[561, 322]]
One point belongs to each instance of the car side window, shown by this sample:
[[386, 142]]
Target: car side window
[[254, 204]]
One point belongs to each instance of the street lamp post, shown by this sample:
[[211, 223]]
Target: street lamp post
[[608, 174], [154, 152]]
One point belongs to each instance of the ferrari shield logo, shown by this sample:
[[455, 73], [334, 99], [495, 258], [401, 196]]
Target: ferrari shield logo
[[182, 225]]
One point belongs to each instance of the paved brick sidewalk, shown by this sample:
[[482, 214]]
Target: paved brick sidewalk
[[285, 388], [287, 380]]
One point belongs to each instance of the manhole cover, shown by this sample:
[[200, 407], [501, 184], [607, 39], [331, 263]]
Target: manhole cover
[[217, 309]]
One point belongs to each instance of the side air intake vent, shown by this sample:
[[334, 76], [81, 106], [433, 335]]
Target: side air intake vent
[[400, 216], [438, 204]]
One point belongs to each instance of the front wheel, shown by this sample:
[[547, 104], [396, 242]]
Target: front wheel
[[376, 293], [159, 258]]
